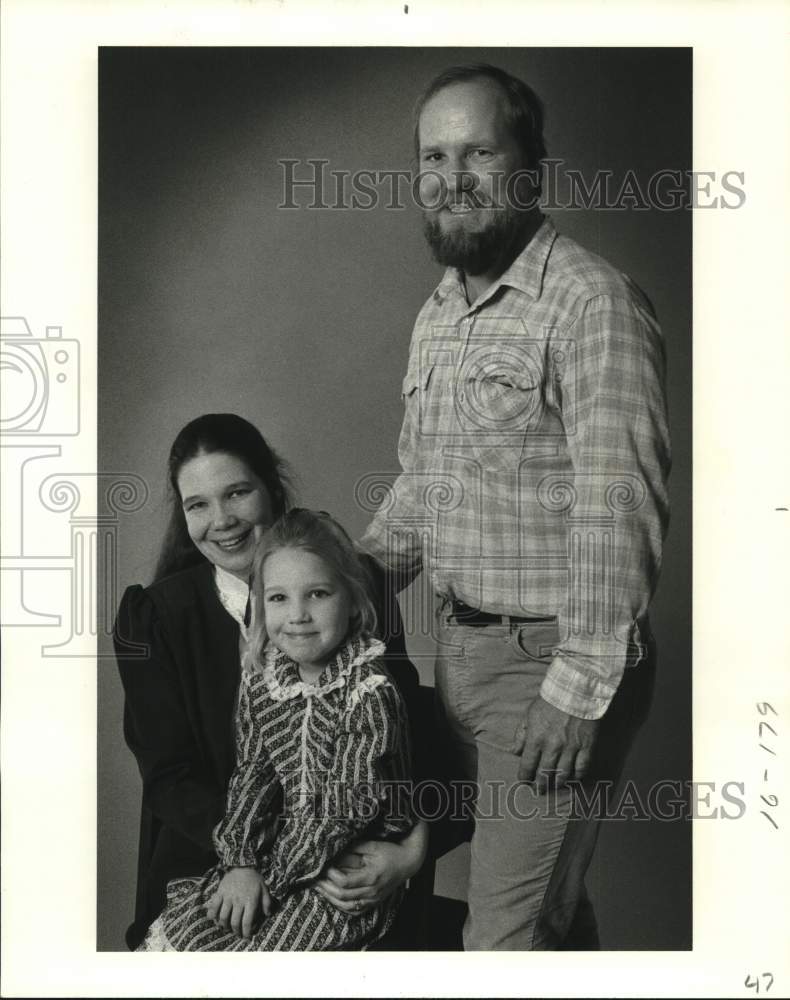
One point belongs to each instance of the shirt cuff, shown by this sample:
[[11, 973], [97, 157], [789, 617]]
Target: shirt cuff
[[575, 692]]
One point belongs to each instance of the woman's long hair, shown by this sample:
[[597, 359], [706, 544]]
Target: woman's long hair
[[230, 435], [317, 532]]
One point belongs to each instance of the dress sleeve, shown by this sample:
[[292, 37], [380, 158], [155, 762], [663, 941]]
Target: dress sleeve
[[365, 785], [250, 821], [176, 786]]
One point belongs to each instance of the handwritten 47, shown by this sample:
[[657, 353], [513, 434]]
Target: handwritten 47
[[753, 982]]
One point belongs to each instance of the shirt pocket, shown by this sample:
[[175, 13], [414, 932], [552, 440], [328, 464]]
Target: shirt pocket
[[497, 408], [500, 403], [416, 378], [421, 399]]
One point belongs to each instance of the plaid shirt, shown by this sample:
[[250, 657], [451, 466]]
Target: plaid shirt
[[535, 454]]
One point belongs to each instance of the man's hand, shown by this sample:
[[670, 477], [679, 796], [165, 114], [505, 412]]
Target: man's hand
[[555, 747], [240, 896]]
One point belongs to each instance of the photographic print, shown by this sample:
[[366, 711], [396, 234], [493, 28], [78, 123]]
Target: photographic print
[[382, 489]]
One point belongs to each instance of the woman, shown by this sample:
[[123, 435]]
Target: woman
[[178, 644]]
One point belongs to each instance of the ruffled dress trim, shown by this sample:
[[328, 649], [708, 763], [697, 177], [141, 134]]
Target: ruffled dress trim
[[156, 939], [281, 674]]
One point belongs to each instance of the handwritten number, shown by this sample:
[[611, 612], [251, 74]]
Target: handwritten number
[[760, 733], [770, 819], [763, 706], [767, 800], [770, 751], [753, 982]]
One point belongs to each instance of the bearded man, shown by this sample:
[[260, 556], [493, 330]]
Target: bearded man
[[535, 455]]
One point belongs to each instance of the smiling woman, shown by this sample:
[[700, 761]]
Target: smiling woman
[[179, 644], [226, 506], [226, 486]]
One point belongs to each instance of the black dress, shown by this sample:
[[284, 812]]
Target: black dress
[[179, 721]]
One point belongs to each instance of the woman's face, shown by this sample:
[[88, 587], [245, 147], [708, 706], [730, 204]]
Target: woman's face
[[227, 509]]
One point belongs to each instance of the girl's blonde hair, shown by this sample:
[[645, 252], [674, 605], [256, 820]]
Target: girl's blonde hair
[[317, 532]]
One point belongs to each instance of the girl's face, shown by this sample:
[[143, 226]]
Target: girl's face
[[307, 609], [227, 508]]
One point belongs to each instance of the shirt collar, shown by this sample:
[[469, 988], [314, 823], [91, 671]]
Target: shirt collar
[[525, 273], [233, 593]]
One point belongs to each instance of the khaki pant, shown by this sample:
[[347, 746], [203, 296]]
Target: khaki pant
[[528, 856]]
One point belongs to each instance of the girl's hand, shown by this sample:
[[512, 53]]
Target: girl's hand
[[371, 870], [240, 896]]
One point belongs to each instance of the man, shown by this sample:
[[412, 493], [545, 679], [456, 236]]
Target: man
[[535, 454]]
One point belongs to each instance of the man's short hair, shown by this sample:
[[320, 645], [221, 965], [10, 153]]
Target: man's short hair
[[523, 107]]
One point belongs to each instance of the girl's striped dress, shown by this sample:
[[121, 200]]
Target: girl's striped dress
[[318, 766]]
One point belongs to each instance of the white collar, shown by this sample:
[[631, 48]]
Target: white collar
[[234, 594], [281, 675]]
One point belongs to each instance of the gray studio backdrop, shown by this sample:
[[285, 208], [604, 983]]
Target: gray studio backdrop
[[211, 298]]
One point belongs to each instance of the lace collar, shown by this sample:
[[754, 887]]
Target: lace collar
[[281, 674]]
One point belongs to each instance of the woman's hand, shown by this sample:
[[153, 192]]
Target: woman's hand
[[371, 870], [240, 896]]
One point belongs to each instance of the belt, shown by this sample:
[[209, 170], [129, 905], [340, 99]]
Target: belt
[[462, 614]]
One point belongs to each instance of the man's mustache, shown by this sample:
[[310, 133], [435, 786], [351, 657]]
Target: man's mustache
[[468, 199]]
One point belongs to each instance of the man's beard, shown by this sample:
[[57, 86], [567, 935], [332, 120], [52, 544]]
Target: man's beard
[[491, 248]]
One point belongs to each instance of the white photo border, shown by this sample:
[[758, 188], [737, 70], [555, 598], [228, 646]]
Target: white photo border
[[741, 870]]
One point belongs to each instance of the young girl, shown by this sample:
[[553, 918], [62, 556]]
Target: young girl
[[321, 746]]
